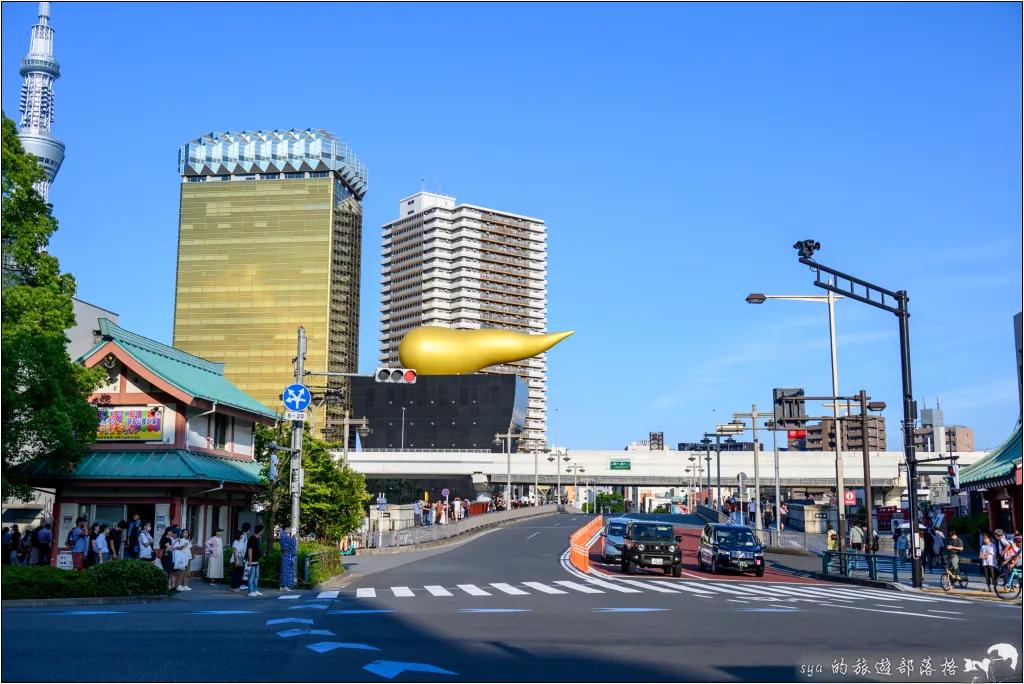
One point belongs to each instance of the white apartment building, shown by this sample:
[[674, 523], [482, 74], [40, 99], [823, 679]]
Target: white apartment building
[[467, 267]]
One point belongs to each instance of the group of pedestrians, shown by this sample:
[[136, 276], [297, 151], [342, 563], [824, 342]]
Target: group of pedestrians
[[437, 513], [29, 548], [999, 553]]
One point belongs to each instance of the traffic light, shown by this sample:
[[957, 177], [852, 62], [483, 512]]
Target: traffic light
[[954, 477], [790, 410], [399, 376]]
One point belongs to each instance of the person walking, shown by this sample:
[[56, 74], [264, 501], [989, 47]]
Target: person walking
[[131, 549], [90, 556], [289, 553], [417, 517], [166, 555], [987, 556], [79, 538], [237, 560], [183, 559], [15, 545], [45, 537], [784, 520], [252, 557], [938, 546], [833, 538], [929, 548], [100, 547], [144, 541], [857, 539], [900, 542], [215, 556]]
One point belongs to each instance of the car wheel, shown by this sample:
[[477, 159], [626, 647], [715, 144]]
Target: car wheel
[[714, 566], [700, 563], [677, 570], [759, 573], [630, 568]]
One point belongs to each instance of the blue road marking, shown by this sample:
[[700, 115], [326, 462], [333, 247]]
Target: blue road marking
[[224, 612], [389, 669], [494, 610], [628, 610], [299, 632], [324, 646], [92, 612], [355, 612], [320, 606], [769, 610], [282, 621]]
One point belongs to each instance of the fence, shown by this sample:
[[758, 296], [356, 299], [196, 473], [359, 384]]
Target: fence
[[872, 565], [579, 553], [430, 533], [795, 541]]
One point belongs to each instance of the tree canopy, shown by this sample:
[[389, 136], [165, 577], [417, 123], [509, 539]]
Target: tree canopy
[[45, 410]]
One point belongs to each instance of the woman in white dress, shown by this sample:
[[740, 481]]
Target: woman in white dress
[[146, 541], [183, 559], [215, 557]]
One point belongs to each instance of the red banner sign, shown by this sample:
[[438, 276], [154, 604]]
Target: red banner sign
[[850, 497], [797, 434]]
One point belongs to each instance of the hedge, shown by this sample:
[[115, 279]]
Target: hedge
[[113, 578]]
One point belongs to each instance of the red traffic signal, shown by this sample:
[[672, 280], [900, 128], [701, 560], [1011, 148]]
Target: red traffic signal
[[400, 376]]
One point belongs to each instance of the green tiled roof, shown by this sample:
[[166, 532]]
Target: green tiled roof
[[152, 465], [997, 464], [191, 374]]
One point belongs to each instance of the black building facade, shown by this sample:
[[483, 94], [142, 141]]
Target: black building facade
[[441, 411]]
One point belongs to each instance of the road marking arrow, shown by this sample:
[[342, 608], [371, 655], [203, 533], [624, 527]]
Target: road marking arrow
[[324, 646], [389, 669], [282, 621]]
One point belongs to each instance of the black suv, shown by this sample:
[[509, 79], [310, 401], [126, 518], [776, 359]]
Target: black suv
[[732, 547], [651, 545]]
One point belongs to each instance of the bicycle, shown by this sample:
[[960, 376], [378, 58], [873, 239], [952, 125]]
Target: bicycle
[[1008, 584], [949, 578]]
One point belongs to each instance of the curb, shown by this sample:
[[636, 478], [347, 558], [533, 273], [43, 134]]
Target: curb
[[861, 581], [85, 601], [788, 552]]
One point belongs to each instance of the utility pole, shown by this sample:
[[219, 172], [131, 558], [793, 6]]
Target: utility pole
[[868, 496], [296, 463], [754, 415]]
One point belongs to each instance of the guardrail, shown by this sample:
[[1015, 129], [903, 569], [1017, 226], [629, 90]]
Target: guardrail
[[579, 553], [425, 534], [711, 515], [853, 564], [796, 541]]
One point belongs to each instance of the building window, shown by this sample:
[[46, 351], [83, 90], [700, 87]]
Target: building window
[[319, 174], [410, 203], [220, 431], [411, 211], [197, 179], [293, 176], [270, 176]]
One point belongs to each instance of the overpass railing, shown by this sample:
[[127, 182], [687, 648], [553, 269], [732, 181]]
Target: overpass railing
[[411, 536]]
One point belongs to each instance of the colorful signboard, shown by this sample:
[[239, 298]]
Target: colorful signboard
[[796, 434], [129, 423], [620, 464]]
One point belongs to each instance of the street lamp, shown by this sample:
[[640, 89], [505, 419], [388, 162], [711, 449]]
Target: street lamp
[[575, 469], [877, 297], [362, 426], [507, 437], [830, 299], [707, 448], [689, 486]]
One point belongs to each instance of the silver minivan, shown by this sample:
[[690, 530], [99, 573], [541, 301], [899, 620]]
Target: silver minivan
[[614, 536]]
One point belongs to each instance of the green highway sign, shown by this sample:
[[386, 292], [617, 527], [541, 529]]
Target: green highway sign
[[620, 465]]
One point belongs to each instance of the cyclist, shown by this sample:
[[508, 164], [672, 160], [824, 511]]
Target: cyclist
[[955, 546]]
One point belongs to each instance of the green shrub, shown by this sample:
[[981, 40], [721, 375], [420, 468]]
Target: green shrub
[[270, 564], [969, 526], [129, 577], [113, 578]]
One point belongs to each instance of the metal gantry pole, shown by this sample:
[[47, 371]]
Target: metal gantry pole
[[296, 460], [718, 457], [757, 475], [841, 497], [868, 496], [908, 435], [778, 497], [536, 476]]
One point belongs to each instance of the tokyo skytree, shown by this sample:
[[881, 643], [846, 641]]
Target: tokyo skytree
[[40, 70]]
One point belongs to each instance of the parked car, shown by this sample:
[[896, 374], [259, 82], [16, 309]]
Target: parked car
[[651, 545], [614, 534], [729, 547]]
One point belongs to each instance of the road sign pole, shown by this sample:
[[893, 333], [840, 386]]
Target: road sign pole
[[296, 463]]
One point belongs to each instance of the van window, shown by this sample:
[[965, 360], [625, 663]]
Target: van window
[[617, 529]]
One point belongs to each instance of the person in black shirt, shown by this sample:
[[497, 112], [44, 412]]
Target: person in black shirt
[[955, 546], [252, 556], [114, 539]]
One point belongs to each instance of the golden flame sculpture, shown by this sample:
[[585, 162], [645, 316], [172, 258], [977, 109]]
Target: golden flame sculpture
[[432, 350]]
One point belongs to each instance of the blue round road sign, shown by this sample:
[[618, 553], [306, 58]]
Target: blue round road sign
[[444, 492], [296, 397]]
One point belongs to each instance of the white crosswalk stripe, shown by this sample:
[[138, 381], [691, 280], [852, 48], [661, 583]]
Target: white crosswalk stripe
[[328, 594], [614, 586], [366, 593], [436, 590], [402, 592], [579, 587], [653, 586], [543, 588], [473, 590], [509, 589]]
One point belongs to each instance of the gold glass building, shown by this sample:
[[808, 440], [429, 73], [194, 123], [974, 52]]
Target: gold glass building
[[269, 238]]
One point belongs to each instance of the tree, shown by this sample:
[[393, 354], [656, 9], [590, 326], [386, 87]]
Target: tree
[[333, 496], [614, 502], [45, 409]]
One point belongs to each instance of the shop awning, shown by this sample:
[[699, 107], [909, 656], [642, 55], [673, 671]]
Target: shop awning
[[998, 469], [178, 464]]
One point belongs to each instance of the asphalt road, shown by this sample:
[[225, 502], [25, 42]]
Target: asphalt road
[[504, 607]]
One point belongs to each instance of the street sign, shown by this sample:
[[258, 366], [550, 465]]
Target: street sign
[[796, 434], [385, 514], [620, 464], [295, 415], [850, 497], [296, 397], [742, 478], [729, 429], [445, 492]]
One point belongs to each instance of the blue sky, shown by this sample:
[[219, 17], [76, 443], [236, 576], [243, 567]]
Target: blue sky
[[676, 152]]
